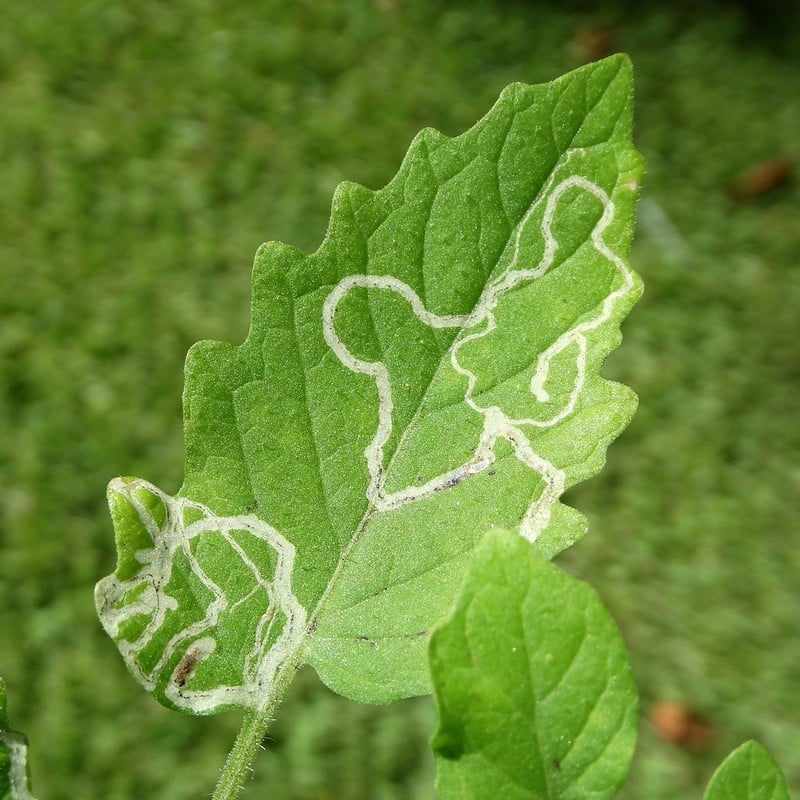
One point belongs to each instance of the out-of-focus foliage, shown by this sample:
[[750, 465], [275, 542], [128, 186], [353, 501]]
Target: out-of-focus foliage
[[14, 776], [145, 154]]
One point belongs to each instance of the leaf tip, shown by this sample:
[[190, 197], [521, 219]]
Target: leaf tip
[[749, 773]]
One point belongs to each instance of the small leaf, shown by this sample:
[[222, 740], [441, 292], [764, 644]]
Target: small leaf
[[430, 372], [532, 682], [14, 778], [748, 773]]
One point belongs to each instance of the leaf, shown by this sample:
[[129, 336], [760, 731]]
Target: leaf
[[14, 778], [748, 773], [532, 682], [430, 372]]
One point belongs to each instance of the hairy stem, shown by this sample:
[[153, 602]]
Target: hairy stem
[[238, 766]]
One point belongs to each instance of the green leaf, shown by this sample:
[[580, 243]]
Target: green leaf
[[14, 778], [430, 372], [532, 682], [748, 773]]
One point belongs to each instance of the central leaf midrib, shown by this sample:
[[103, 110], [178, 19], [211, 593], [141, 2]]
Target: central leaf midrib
[[371, 509], [562, 157]]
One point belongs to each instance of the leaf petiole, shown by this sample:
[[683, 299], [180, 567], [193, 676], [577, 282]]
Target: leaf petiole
[[240, 759]]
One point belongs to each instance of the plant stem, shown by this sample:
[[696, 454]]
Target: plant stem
[[238, 765]]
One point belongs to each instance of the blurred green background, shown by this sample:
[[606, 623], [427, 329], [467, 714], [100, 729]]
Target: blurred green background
[[147, 149]]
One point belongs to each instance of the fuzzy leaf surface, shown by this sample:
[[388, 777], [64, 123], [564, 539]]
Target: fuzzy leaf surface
[[748, 773], [532, 681], [430, 372]]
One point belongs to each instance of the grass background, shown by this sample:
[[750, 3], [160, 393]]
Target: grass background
[[147, 149]]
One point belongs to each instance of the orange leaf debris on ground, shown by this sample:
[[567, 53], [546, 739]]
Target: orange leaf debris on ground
[[761, 178], [675, 722]]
